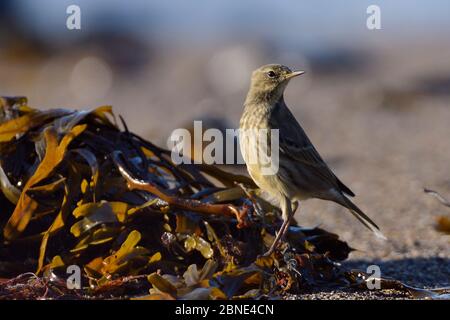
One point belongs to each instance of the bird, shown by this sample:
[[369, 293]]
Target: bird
[[300, 173]]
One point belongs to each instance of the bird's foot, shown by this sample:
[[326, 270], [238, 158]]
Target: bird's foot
[[273, 247]]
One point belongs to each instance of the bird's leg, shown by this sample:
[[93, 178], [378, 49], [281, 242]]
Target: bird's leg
[[294, 208], [287, 213]]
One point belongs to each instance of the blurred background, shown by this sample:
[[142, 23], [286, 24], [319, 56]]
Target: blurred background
[[376, 103]]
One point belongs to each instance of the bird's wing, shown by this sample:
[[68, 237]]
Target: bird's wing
[[295, 144]]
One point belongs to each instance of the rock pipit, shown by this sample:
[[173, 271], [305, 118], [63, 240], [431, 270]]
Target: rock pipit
[[301, 172]]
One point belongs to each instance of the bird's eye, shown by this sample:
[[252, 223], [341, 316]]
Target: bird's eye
[[271, 74]]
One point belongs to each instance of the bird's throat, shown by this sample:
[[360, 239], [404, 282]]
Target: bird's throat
[[270, 97]]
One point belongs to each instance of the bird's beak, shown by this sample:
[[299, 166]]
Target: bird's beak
[[294, 74]]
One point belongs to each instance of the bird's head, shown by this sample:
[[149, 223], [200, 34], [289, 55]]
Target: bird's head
[[269, 81]]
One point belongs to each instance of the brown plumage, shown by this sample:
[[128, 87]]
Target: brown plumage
[[301, 172]]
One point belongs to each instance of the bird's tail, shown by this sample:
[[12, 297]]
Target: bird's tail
[[361, 216]]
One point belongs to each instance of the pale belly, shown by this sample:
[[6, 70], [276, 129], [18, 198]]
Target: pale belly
[[275, 185]]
